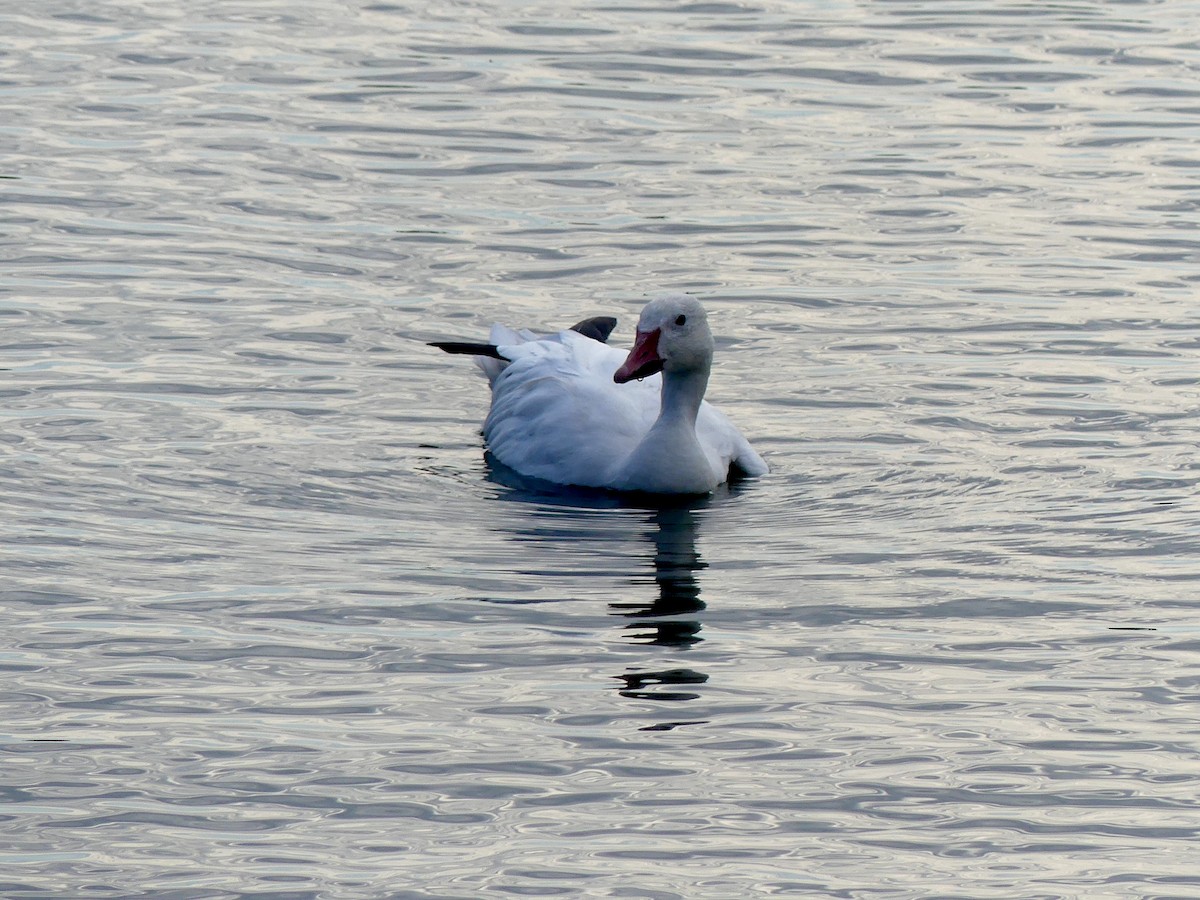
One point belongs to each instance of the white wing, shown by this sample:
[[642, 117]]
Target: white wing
[[557, 414]]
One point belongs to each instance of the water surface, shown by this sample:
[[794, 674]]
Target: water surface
[[273, 627]]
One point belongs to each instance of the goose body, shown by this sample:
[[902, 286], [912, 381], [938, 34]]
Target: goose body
[[569, 409]]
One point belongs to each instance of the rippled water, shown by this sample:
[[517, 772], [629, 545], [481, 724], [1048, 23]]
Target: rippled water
[[272, 628]]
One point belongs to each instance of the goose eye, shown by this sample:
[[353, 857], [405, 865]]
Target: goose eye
[[681, 320]]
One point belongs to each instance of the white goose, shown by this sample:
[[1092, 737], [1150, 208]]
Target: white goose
[[569, 409]]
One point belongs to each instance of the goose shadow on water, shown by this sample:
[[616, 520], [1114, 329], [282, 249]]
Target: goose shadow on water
[[669, 616]]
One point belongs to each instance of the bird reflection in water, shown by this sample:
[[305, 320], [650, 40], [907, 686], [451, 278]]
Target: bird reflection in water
[[668, 618], [673, 533]]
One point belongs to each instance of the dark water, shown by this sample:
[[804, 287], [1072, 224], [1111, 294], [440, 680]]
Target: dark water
[[271, 628]]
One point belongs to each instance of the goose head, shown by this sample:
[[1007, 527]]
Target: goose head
[[672, 336]]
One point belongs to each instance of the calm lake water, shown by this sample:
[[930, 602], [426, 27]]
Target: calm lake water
[[271, 627]]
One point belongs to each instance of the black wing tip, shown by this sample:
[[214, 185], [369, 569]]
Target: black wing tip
[[467, 348], [598, 328]]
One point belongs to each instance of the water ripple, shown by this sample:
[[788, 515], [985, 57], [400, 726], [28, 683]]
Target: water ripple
[[266, 596]]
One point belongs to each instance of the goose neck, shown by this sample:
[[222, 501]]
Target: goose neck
[[682, 393]]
